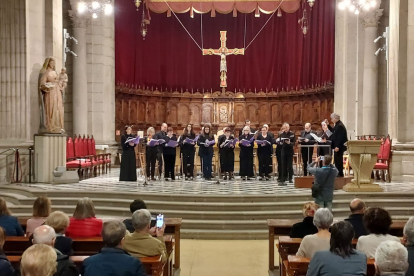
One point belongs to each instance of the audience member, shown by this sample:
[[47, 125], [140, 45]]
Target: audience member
[[357, 207], [113, 260], [306, 227], [391, 259], [9, 223], [408, 240], [46, 235], [341, 259], [141, 243], [378, 222], [42, 208], [325, 177], [59, 221], [136, 205], [321, 240], [38, 260], [84, 224], [6, 268]]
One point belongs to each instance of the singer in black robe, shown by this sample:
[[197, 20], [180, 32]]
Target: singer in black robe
[[169, 154], [150, 154], [287, 154], [226, 154], [307, 143], [128, 162], [206, 152], [264, 154], [246, 155], [188, 152]]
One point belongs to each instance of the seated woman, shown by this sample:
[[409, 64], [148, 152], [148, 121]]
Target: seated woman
[[6, 268], [378, 222], [84, 224], [306, 227], [9, 223], [341, 258], [60, 221], [42, 208], [319, 241]]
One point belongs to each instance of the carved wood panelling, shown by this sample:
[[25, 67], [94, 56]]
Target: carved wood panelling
[[145, 108]]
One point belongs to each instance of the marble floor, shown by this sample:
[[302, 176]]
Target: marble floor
[[219, 258], [110, 182]]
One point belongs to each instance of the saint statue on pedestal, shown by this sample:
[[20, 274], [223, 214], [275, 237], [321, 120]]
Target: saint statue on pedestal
[[50, 99]]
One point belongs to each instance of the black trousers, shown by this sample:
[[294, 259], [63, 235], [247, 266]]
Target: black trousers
[[287, 164], [151, 158], [169, 161], [207, 161], [265, 164], [159, 158], [188, 162], [279, 163], [339, 163], [306, 158]]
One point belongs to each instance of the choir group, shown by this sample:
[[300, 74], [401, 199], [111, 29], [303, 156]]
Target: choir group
[[161, 147]]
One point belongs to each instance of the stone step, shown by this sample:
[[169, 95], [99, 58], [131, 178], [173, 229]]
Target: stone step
[[207, 206]]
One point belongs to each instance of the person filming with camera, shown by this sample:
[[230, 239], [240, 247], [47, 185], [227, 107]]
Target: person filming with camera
[[324, 185]]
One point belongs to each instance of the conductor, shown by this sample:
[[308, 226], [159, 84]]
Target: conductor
[[339, 138]]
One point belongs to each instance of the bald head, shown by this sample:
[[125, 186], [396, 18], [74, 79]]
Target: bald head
[[307, 127], [44, 235], [357, 206], [164, 127]]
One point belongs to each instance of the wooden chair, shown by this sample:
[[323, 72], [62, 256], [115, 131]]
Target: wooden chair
[[384, 159]]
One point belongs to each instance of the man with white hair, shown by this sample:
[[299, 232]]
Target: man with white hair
[[306, 141], [141, 243], [46, 235], [339, 138], [408, 241], [391, 259]]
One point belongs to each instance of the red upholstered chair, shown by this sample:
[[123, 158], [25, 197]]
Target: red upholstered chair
[[104, 157], [97, 160], [83, 159], [384, 157]]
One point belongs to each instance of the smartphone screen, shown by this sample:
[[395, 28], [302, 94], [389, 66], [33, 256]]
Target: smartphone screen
[[322, 157], [160, 220]]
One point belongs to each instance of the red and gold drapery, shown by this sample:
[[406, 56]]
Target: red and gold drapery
[[224, 7]]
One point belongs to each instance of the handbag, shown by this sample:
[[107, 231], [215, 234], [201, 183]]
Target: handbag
[[317, 188]]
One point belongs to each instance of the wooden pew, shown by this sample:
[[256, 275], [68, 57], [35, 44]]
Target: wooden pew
[[86, 247], [172, 227], [282, 227], [298, 266], [153, 265]]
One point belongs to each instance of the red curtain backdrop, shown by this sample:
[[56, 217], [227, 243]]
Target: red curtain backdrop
[[280, 58]]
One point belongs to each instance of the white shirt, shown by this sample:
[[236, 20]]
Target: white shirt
[[368, 244]]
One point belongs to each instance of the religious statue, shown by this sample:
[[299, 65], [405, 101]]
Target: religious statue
[[223, 114], [63, 81], [50, 99]]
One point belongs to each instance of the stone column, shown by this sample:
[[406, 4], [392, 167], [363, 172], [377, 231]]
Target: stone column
[[370, 79], [80, 89]]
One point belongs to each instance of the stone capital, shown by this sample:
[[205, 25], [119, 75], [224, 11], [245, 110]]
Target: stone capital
[[78, 21], [371, 18]]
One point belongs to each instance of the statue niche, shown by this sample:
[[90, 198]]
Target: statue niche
[[286, 113], [207, 115], [223, 114]]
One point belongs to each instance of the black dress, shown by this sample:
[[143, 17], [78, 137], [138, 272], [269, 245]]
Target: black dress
[[226, 155], [128, 162], [169, 158], [206, 154], [264, 154], [188, 152], [246, 157]]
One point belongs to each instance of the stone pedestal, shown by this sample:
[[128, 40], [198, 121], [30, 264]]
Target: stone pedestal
[[362, 157], [49, 153]]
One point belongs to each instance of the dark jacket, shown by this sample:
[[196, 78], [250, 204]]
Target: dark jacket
[[130, 228], [112, 262], [64, 245], [6, 268], [325, 177], [65, 266], [306, 135], [304, 228], [285, 146], [339, 136], [410, 271], [11, 225], [160, 135], [203, 150], [169, 150], [357, 221]]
